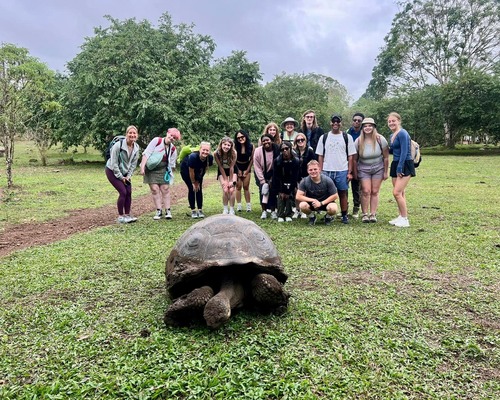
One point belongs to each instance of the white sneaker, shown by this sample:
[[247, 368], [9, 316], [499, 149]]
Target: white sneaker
[[194, 214], [127, 219], [264, 215], [200, 214], [296, 214], [402, 223], [231, 211], [121, 219], [157, 215], [281, 219], [274, 215], [168, 214], [303, 216], [288, 219], [249, 207], [395, 220], [225, 211], [238, 208]]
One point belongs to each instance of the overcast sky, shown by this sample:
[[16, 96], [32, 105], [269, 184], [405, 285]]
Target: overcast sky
[[337, 38]]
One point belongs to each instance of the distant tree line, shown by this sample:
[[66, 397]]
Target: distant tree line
[[439, 69]]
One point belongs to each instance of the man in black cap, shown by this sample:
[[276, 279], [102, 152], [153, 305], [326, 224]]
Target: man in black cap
[[335, 152]]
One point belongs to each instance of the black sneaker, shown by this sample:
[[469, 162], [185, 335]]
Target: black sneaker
[[328, 220], [345, 219], [312, 220]]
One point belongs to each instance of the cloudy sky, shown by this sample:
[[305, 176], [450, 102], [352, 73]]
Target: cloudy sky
[[337, 38]]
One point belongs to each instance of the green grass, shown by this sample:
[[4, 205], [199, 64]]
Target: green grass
[[375, 312], [71, 180]]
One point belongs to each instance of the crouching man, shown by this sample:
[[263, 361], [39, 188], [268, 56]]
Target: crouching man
[[317, 192]]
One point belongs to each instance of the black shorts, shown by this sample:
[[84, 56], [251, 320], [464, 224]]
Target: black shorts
[[408, 168], [322, 208]]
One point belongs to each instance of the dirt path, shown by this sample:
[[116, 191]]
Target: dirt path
[[18, 237]]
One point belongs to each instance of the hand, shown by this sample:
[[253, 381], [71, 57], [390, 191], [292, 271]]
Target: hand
[[143, 171], [316, 203], [196, 186], [386, 176], [349, 177]]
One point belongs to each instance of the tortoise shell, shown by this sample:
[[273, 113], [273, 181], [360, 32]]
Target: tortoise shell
[[219, 245]]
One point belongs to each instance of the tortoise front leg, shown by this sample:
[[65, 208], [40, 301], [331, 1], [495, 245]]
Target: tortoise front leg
[[218, 309], [269, 293], [188, 306]]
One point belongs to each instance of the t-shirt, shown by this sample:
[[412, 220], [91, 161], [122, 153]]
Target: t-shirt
[[321, 191], [194, 161], [335, 158]]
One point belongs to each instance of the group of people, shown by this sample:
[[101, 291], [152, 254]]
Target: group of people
[[299, 169]]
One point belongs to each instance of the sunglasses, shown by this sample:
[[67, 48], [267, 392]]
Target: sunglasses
[[300, 140], [285, 149], [240, 137], [357, 120], [309, 116]]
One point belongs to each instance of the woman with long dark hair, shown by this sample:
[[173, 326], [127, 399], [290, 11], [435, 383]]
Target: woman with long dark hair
[[244, 161]]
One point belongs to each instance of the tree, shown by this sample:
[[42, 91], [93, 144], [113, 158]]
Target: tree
[[133, 73], [291, 95], [23, 84], [434, 41], [239, 94]]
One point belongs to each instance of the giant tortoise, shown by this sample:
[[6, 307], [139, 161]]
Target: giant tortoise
[[222, 263]]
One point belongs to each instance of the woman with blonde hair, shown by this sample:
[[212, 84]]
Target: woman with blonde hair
[[372, 167], [225, 157], [402, 167], [119, 169]]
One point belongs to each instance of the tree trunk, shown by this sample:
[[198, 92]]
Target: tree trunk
[[9, 157], [449, 141]]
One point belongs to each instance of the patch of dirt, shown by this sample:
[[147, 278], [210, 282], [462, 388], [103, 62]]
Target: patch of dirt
[[18, 237]]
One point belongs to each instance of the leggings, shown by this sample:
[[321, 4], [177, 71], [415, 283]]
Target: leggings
[[192, 195], [124, 193]]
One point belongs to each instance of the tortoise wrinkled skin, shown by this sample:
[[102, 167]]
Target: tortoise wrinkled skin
[[219, 264]]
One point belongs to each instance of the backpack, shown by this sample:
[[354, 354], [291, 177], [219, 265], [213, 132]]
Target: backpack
[[119, 138], [415, 153], [346, 140]]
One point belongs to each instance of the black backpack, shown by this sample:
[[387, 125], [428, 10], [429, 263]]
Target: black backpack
[[119, 138]]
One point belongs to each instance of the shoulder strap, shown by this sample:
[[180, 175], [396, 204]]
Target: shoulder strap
[[346, 140]]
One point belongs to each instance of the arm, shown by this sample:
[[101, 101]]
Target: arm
[[115, 160], [258, 167], [250, 163], [385, 154]]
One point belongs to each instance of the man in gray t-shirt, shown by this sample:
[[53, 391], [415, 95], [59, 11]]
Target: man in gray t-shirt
[[317, 192]]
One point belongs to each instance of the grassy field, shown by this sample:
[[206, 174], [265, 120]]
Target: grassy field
[[375, 312]]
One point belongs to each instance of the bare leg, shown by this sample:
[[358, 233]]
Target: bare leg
[[155, 191], [374, 197], [398, 191], [165, 194], [366, 188]]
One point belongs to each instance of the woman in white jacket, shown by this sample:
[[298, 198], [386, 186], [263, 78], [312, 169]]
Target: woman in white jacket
[[160, 177]]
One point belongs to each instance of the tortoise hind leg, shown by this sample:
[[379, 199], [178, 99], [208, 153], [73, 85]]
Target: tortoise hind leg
[[188, 306], [269, 293]]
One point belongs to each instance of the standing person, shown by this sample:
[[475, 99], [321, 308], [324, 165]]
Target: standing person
[[160, 177], [272, 129], [309, 127], [244, 161], [372, 167], [317, 192], [225, 158], [193, 169], [355, 131], [305, 153], [335, 155], [119, 168], [284, 183], [289, 134], [402, 167], [263, 159]]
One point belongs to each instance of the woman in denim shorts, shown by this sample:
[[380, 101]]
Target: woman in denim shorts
[[372, 167]]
